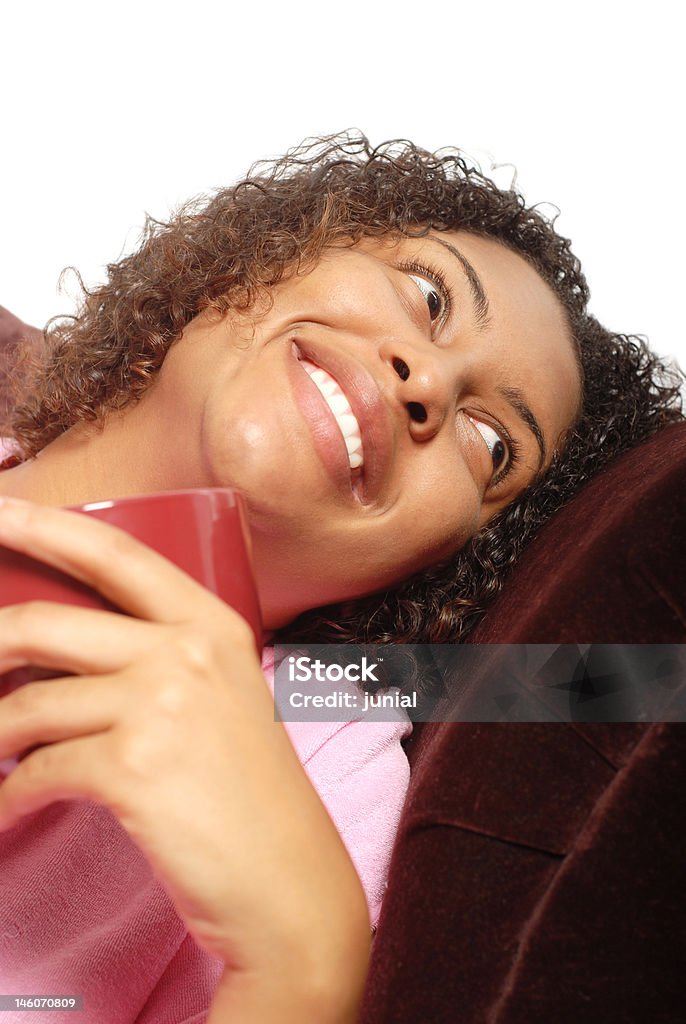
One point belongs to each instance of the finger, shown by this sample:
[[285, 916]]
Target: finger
[[59, 709], [145, 584], [65, 771], [50, 635]]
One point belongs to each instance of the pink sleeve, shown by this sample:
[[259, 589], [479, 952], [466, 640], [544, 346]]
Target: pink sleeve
[[361, 773]]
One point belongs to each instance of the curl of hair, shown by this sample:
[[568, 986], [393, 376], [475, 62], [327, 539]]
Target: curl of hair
[[225, 252]]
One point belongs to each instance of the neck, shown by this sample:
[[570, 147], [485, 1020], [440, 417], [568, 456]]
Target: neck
[[92, 463]]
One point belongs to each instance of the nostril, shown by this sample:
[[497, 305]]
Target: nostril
[[401, 368], [417, 412]]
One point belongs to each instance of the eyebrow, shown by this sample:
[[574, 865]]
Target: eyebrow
[[482, 310], [516, 400]]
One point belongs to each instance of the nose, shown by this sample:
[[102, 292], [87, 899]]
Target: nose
[[426, 384]]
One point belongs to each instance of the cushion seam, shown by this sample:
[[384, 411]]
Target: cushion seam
[[604, 801], [659, 590], [615, 766], [423, 826]]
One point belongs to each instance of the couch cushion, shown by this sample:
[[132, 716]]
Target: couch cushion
[[537, 871], [609, 567]]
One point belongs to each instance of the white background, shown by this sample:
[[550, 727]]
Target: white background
[[112, 110]]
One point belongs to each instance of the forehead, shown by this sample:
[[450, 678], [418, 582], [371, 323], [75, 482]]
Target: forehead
[[526, 317], [516, 292], [514, 287]]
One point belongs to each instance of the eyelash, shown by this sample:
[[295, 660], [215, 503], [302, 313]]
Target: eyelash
[[513, 448], [435, 277], [514, 455]]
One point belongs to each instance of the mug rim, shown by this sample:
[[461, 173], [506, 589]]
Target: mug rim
[[233, 493]]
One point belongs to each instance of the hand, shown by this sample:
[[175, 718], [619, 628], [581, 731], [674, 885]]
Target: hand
[[168, 721]]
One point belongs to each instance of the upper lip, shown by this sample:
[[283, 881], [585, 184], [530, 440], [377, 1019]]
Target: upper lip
[[368, 407]]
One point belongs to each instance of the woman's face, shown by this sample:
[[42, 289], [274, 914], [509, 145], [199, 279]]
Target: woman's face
[[445, 361]]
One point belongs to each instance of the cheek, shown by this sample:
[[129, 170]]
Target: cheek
[[262, 452], [242, 449], [437, 525], [429, 547]]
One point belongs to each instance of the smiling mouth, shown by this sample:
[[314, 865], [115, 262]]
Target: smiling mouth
[[340, 407]]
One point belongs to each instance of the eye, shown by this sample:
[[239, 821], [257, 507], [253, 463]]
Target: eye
[[432, 284], [494, 443], [504, 452], [431, 293]]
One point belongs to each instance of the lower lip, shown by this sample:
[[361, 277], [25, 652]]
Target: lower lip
[[327, 438]]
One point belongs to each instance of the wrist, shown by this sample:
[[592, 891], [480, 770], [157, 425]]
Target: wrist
[[308, 993], [308, 973]]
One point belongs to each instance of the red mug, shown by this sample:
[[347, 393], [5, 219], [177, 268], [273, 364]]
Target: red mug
[[204, 532]]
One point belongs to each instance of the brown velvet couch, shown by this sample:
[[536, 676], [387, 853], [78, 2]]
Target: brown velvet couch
[[538, 874]]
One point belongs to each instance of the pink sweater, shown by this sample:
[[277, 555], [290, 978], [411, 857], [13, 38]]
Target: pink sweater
[[81, 912]]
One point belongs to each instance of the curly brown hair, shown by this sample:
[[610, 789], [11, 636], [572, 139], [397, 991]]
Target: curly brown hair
[[227, 251]]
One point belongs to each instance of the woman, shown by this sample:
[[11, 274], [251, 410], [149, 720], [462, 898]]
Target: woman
[[392, 359]]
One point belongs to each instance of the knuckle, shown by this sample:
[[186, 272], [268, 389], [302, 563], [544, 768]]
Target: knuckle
[[26, 701], [30, 515], [37, 766], [194, 651], [136, 754], [17, 618], [115, 546], [228, 627], [172, 700]]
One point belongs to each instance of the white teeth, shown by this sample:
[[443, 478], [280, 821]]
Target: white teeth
[[340, 407], [338, 403], [347, 423]]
